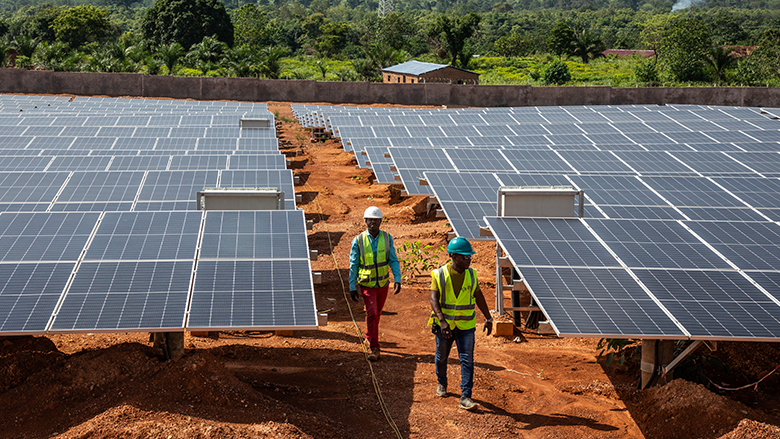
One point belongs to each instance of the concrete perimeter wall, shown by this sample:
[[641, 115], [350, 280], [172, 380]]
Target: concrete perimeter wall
[[249, 89]]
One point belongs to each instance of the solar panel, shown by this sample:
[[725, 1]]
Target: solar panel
[[145, 236], [126, 296], [176, 185], [253, 272], [42, 237], [29, 293]]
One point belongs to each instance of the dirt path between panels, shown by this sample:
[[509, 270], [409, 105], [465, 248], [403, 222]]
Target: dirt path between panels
[[318, 384]]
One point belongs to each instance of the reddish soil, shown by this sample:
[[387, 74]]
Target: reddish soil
[[318, 384]]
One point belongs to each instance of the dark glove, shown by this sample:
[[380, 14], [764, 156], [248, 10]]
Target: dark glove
[[354, 295], [488, 326]]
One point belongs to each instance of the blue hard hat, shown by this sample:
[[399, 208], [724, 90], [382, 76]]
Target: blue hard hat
[[460, 246]]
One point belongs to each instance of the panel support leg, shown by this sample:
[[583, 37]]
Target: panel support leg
[[171, 344], [656, 354]]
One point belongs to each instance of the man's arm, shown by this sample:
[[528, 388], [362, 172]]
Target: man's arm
[[354, 262], [482, 305], [395, 266], [436, 307]]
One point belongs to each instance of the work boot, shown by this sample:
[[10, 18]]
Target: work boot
[[441, 391], [374, 355], [466, 403]]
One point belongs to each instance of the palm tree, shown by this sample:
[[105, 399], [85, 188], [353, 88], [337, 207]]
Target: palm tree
[[5, 46], [270, 67], [25, 46], [206, 53], [720, 59], [587, 46], [170, 54], [50, 56]]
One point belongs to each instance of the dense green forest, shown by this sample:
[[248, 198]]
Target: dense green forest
[[726, 42]]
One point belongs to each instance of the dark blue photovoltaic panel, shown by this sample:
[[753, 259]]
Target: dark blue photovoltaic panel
[[597, 302], [126, 296], [712, 163], [92, 207], [750, 246], [595, 161], [617, 190], [769, 281], [722, 214], [176, 185], [139, 163], [766, 163], [714, 304], [22, 163], [30, 187], [101, 186], [79, 163], [757, 192], [131, 236], [478, 159], [655, 244], [692, 192], [267, 161], [537, 161], [198, 162], [427, 159], [464, 186], [653, 162], [29, 294], [547, 242], [263, 294], [254, 235], [466, 218], [44, 237], [281, 179], [634, 212]]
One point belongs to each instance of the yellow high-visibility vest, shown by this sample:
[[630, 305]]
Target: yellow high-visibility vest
[[373, 273], [458, 311]]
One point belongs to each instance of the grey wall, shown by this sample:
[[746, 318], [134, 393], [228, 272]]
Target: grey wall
[[249, 89]]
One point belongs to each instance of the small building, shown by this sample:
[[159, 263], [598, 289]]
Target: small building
[[414, 72]]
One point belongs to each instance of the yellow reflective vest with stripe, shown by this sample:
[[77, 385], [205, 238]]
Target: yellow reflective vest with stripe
[[373, 273], [458, 311]]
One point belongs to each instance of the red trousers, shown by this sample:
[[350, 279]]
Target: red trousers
[[374, 298]]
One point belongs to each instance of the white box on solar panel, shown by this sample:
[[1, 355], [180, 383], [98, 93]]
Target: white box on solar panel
[[255, 123], [538, 201], [240, 199]]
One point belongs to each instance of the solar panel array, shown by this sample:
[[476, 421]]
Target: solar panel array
[[680, 231], [100, 228]]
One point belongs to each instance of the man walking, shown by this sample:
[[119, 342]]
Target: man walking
[[370, 261], [454, 292]]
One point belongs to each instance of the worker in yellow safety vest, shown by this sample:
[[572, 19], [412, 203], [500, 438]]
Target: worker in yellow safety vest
[[454, 292], [371, 260]]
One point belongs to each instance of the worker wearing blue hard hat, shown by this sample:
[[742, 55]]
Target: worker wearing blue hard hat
[[454, 294], [371, 260]]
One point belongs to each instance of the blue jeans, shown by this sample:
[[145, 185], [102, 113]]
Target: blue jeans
[[464, 339]]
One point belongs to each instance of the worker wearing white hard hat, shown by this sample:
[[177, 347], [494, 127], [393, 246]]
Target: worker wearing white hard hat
[[371, 260]]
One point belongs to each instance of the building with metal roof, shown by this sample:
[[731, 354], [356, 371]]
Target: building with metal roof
[[413, 72]]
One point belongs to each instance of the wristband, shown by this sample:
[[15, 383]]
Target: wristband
[[490, 320]]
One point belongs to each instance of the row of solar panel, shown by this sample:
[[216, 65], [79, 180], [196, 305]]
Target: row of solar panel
[[650, 279], [166, 162], [129, 190], [140, 271], [122, 143]]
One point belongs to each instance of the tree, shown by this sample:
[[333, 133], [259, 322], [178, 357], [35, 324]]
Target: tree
[[684, 50], [82, 24], [186, 22], [561, 40], [557, 72], [170, 54], [452, 33], [720, 59], [252, 26], [587, 46], [25, 46], [512, 45]]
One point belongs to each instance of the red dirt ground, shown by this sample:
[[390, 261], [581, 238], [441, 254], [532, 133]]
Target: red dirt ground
[[318, 384]]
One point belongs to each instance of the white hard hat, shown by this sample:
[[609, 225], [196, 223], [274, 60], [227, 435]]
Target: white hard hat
[[373, 212]]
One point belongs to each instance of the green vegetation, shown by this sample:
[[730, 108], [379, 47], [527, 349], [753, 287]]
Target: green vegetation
[[419, 259], [533, 42]]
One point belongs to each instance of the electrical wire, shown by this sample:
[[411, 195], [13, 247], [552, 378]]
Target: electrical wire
[[374, 380], [753, 385]]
